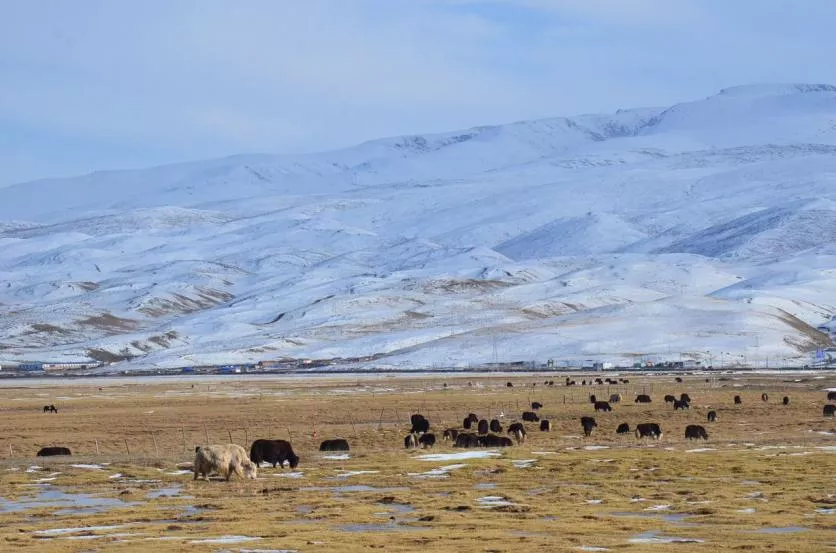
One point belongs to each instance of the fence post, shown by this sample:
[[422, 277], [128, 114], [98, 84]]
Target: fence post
[[11, 452], [229, 434], [97, 447], [156, 451], [127, 448]]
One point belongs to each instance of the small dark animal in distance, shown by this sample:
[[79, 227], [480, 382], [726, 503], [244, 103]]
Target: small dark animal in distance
[[337, 444], [695, 432], [55, 450], [426, 440], [648, 429], [530, 416], [588, 423]]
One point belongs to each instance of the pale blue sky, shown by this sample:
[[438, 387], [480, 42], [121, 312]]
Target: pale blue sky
[[105, 84]]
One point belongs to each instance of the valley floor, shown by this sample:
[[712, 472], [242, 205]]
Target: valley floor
[[763, 481]]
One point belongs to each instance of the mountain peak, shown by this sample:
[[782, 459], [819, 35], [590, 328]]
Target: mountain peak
[[775, 89]]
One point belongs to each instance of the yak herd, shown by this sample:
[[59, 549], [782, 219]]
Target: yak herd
[[229, 459]]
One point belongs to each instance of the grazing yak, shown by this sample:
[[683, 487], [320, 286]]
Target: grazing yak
[[829, 410], [50, 409], [419, 424], [737, 400], [685, 397], [410, 441], [223, 459], [492, 440], [467, 439], [648, 429], [535, 405], [588, 424], [678, 379], [695, 432], [679, 404], [54, 450], [592, 398], [530, 416], [518, 431], [483, 427], [831, 396], [426, 440], [786, 400], [450, 434], [473, 418], [764, 397], [496, 426], [623, 428], [545, 426], [509, 384], [338, 444], [615, 398], [275, 452], [712, 416], [467, 423], [602, 406], [669, 398], [643, 398]]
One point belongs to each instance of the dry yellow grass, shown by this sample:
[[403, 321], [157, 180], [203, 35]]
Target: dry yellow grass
[[765, 466]]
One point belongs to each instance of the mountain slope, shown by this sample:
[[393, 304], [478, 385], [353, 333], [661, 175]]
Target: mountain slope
[[706, 229]]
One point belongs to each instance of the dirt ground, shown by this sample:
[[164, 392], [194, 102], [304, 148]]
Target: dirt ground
[[765, 479]]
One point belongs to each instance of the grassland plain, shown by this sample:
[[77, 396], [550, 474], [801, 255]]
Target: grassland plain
[[765, 480]]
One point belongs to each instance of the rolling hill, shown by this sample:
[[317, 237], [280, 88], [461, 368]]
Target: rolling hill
[[704, 230]]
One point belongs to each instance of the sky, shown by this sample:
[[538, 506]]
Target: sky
[[107, 84]]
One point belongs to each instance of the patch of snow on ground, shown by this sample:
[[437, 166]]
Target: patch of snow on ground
[[440, 472], [227, 539], [664, 507], [62, 531], [342, 457], [490, 501], [459, 456]]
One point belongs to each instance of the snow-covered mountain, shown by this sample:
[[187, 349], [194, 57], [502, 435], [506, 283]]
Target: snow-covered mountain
[[706, 229]]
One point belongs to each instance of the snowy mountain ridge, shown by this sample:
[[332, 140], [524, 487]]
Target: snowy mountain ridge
[[704, 229]]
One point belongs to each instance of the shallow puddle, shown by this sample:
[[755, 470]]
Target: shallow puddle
[[390, 527], [653, 537], [68, 503]]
